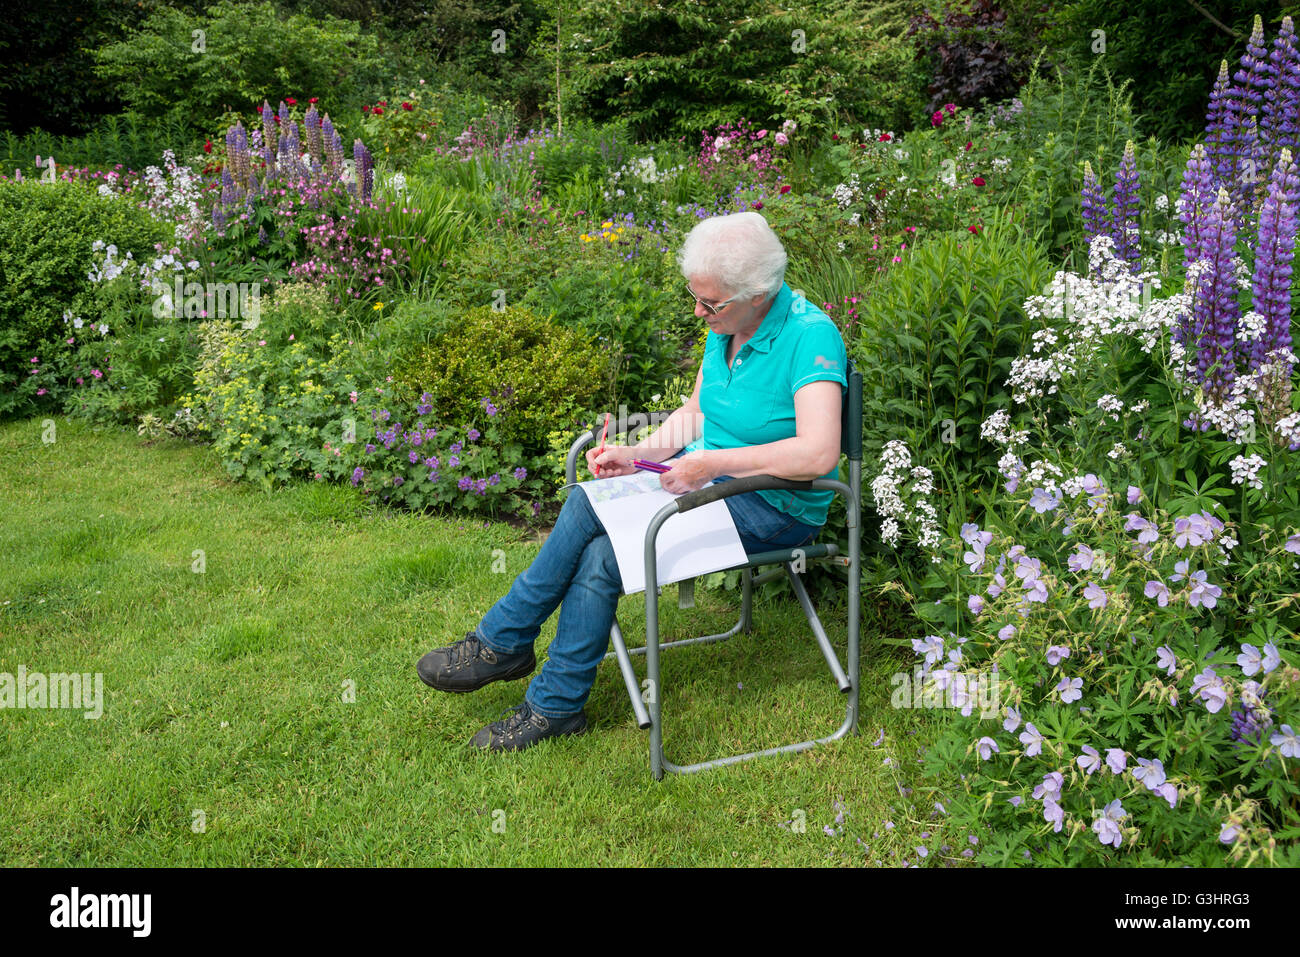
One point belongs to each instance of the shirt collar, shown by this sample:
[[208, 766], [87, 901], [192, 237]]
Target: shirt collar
[[773, 322]]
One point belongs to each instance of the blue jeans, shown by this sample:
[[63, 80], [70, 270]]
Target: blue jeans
[[576, 571]]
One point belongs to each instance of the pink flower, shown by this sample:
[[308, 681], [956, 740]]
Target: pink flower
[[761, 134], [781, 139]]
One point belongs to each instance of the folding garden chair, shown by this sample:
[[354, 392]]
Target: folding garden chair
[[785, 559]]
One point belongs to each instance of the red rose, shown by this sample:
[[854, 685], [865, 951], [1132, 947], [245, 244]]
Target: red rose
[[207, 146], [407, 106], [835, 136], [379, 111], [313, 99], [757, 204], [974, 229], [383, 102], [365, 109], [785, 189], [291, 101], [885, 137], [968, 144], [978, 181]]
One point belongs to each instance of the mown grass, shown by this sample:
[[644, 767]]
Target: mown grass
[[224, 693]]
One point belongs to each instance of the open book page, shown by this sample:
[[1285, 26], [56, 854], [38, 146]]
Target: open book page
[[701, 541]]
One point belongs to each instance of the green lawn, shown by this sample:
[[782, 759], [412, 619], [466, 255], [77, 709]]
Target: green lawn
[[224, 692]]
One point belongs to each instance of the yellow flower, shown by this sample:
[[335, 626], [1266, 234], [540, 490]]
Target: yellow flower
[[379, 305]]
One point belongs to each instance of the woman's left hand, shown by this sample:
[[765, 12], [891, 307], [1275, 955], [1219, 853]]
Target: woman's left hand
[[690, 472]]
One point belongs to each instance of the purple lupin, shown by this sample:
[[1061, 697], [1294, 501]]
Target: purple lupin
[[1281, 115], [1274, 252], [1215, 302], [1193, 205], [1096, 216], [1221, 128], [1125, 222]]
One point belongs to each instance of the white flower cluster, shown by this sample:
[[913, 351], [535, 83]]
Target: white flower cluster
[[1251, 326], [108, 268], [891, 499], [844, 194], [997, 428], [78, 322], [1111, 404], [1081, 312], [1246, 469], [175, 197]]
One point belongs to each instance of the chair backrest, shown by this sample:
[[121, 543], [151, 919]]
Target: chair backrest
[[851, 416]]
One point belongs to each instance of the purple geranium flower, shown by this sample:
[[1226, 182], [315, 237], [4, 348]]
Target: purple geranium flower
[[1286, 742], [1165, 659], [1116, 760], [1159, 591], [1070, 689], [1210, 687], [1054, 814], [1090, 760], [1012, 720], [1051, 786], [1107, 825], [987, 747], [1150, 772], [1032, 740]]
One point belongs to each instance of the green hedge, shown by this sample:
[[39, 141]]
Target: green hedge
[[46, 232]]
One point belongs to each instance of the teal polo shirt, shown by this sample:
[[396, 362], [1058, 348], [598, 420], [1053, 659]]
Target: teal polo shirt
[[752, 401]]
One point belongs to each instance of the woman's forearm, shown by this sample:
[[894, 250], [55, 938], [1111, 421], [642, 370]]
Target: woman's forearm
[[798, 459]]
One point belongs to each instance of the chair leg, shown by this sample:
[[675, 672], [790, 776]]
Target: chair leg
[[629, 676]]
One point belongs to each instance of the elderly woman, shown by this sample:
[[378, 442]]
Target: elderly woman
[[766, 402]]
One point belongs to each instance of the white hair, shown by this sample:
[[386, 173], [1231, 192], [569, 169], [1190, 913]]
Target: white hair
[[739, 251]]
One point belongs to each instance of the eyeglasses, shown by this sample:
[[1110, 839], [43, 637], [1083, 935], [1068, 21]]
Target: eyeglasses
[[711, 309]]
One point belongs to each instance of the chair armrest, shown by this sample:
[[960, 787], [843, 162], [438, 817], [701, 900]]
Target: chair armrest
[[750, 483]]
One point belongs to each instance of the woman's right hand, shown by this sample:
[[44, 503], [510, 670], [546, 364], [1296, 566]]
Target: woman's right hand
[[615, 460]]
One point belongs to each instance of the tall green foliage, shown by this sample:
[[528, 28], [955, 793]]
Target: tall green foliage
[[938, 335], [234, 56], [683, 67], [1170, 51]]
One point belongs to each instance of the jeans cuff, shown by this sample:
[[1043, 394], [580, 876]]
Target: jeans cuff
[[549, 715]]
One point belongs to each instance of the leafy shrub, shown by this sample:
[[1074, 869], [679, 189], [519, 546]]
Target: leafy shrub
[[271, 411], [1149, 44], [129, 140], [968, 53], [675, 69], [46, 233], [535, 371], [937, 338], [251, 53], [1059, 122], [403, 125], [628, 310]]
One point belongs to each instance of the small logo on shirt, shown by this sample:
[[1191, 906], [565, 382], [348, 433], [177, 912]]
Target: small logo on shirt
[[826, 363]]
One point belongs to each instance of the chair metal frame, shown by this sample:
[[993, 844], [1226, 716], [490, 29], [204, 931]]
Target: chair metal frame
[[846, 679]]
